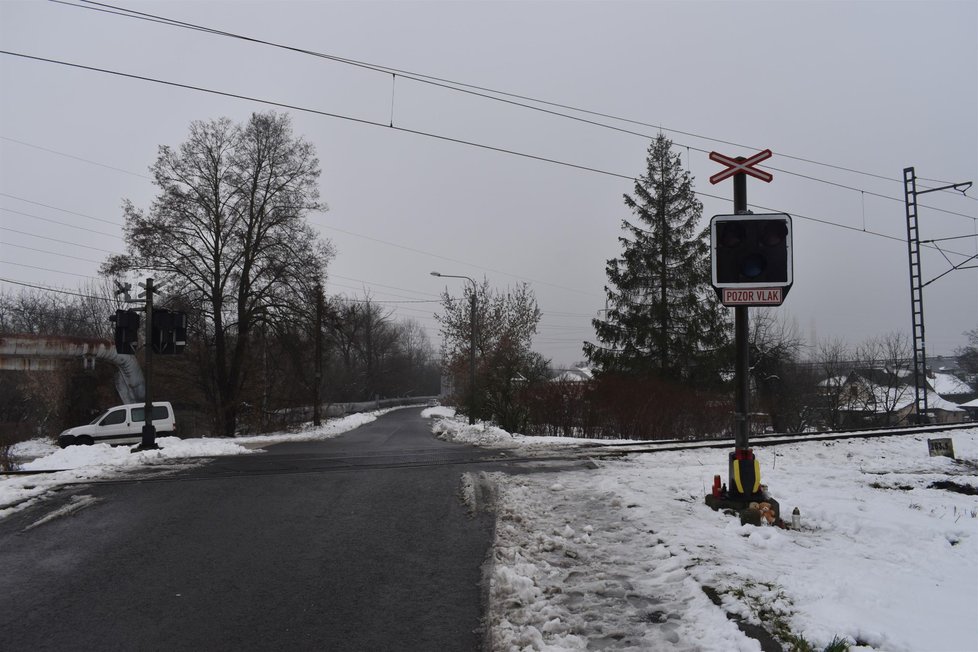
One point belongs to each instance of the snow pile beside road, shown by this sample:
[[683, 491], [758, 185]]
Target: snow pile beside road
[[438, 412], [32, 449], [101, 461], [489, 436], [328, 430], [479, 434], [620, 556], [171, 448]]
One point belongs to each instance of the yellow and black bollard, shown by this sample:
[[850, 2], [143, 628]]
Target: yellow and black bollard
[[745, 475]]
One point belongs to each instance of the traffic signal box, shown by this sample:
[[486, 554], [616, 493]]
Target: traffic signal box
[[126, 331], [751, 258], [169, 334], [169, 331]]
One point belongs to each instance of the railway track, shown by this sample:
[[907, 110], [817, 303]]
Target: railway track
[[568, 454], [775, 439]]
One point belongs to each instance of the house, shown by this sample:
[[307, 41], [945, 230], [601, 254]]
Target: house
[[575, 375], [882, 397], [950, 387], [971, 407]]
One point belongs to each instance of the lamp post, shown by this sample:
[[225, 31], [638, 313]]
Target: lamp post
[[471, 343]]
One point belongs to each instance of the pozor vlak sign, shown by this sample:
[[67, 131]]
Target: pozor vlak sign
[[751, 258]]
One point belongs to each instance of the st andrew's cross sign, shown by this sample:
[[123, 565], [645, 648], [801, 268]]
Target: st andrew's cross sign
[[745, 166]]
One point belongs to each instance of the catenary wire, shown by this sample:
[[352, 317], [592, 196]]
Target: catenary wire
[[72, 156], [44, 237], [419, 133], [55, 290], [53, 253], [461, 87], [71, 226], [60, 210]]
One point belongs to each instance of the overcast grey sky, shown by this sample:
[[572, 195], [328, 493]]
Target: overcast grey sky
[[873, 87]]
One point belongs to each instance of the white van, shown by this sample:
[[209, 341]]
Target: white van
[[122, 424]]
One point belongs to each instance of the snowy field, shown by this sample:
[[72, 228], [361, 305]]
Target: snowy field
[[628, 556]]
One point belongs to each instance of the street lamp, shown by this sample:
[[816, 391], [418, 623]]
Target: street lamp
[[471, 343]]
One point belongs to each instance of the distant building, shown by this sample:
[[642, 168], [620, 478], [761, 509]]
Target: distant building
[[575, 375], [971, 407], [869, 396], [950, 387]]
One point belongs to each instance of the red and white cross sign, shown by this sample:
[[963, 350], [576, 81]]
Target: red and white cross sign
[[745, 166]]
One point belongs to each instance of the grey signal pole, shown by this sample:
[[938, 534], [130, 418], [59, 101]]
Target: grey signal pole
[[741, 339], [149, 430], [318, 376]]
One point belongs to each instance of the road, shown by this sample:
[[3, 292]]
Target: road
[[356, 543]]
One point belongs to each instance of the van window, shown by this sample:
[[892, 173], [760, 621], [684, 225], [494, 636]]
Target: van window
[[159, 412], [114, 417]]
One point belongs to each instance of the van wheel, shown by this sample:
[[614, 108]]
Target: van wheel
[[84, 441]]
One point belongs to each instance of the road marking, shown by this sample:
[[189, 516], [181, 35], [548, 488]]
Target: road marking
[[76, 503]]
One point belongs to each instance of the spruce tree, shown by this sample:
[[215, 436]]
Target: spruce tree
[[663, 318]]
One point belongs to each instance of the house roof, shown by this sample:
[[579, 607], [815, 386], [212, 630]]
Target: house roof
[[575, 375], [894, 398], [946, 384]]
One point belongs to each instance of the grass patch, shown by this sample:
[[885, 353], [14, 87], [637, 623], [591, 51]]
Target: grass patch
[[947, 485], [774, 615]]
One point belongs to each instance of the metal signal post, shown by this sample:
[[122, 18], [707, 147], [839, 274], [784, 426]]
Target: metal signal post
[[744, 472], [741, 333], [149, 430]]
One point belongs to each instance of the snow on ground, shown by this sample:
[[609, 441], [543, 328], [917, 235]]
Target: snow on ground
[[102, 461], [627, 556], [619, 557]]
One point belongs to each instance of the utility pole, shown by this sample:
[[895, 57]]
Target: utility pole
[[149, 430], [472, 322], [917, 285], [316, 416]]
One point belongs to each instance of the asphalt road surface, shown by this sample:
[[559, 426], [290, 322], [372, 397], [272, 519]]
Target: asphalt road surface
[[356, 543]]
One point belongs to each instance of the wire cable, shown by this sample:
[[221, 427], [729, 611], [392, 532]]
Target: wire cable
[[48, 269], [479, 91], [415, 132], [72, 156], [60, 210], [44, 237], [56, 290], [70, 226]]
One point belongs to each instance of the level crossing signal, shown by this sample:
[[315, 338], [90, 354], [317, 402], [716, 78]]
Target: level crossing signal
[[126, 331], [169, 331], [751, 258], [168, 336]]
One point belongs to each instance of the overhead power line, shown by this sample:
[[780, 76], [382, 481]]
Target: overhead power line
[[459, 141], [48, 269], [60, 210], [72, 156], [53, 253], [56, 290], [43, 237], [70, 226], [462, 87]]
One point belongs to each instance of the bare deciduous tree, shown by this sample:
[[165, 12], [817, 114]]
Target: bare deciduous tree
[[227, 235]]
